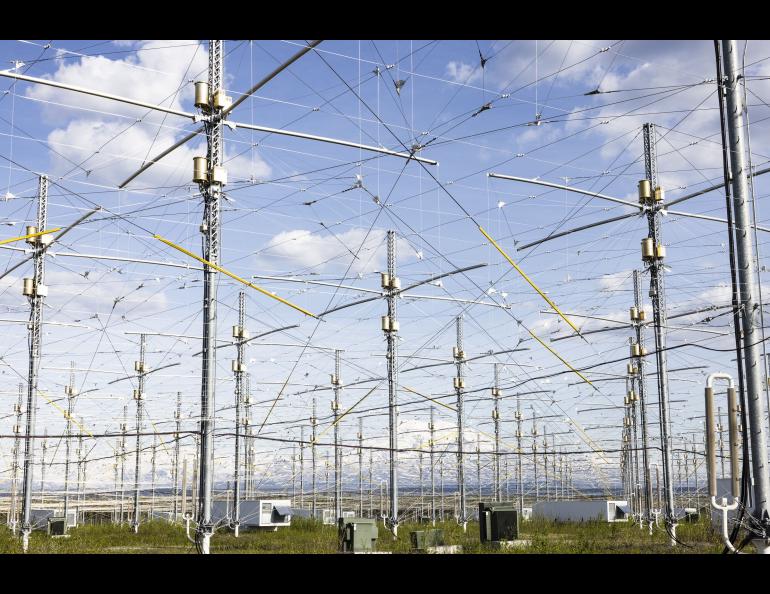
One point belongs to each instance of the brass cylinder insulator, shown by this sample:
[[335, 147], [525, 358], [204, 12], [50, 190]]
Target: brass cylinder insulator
[[201, 94], [648, 250], [645, 190], [200, 170]]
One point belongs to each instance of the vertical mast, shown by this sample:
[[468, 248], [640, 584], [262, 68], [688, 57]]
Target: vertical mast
[[390, 326], [69, 391], [140, 369], [13, 518], [459, 384], [651, 193], [361, 467], [748, 288], [336, 382], [519, 473], [641, 384], [496, 418], [178, 417], [35, 289], [240, 334], [313, 461], [432, 443], [211, 190]]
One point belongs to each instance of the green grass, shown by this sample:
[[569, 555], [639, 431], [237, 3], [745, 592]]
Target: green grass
[[307, 536]]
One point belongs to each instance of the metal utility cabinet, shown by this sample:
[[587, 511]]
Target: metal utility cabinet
[[498, 521], [357, 534], [603, 510], [423, 539]]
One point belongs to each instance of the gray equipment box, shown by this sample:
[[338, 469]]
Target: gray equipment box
[[357, 534], [56, 526], [498, 521], [422, 539]]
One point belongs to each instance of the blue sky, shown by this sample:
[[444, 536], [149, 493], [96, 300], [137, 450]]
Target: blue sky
[[296, 208]]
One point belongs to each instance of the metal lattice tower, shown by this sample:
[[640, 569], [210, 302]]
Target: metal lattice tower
[[432, 445], [371, 484], [641, 385], [42, 468], [658, 298], [81, 454], [302, 467], [123, 429], [632, 400], [239, 333], [360, 467], [313, 421], [13, 519], [178, 418], [545, 461], [459, 384], [36, 297], [519, 470], [211, 191], [248, 442], [496, 418], [534, 454], [69, 391], [153, 468], [336, 383], [391, 335], [139, 367], [478, 464]]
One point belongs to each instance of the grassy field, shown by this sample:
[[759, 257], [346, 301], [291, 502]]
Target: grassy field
[[305, 536]]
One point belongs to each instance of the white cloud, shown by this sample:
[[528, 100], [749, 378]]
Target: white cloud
[[110, 127], [123, 149], [463, 73], [150, 76], [299, 248]]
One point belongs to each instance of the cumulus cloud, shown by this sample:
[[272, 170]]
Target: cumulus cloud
[[153, 76], [301, 249], [106, 139], [463, 73]]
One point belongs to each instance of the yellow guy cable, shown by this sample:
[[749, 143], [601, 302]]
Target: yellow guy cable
[[529, 280], [559, 357], [12, 239], [64, 412], [413, 391], [233, 276], [312, 441]]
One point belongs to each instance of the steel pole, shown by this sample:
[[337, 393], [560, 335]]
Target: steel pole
[[35, 343], [747, 287], [391, 334], [336, 382], [459, 357], [240, 332], [658, 298], [139, 366], [211, 190], [641, 384]]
